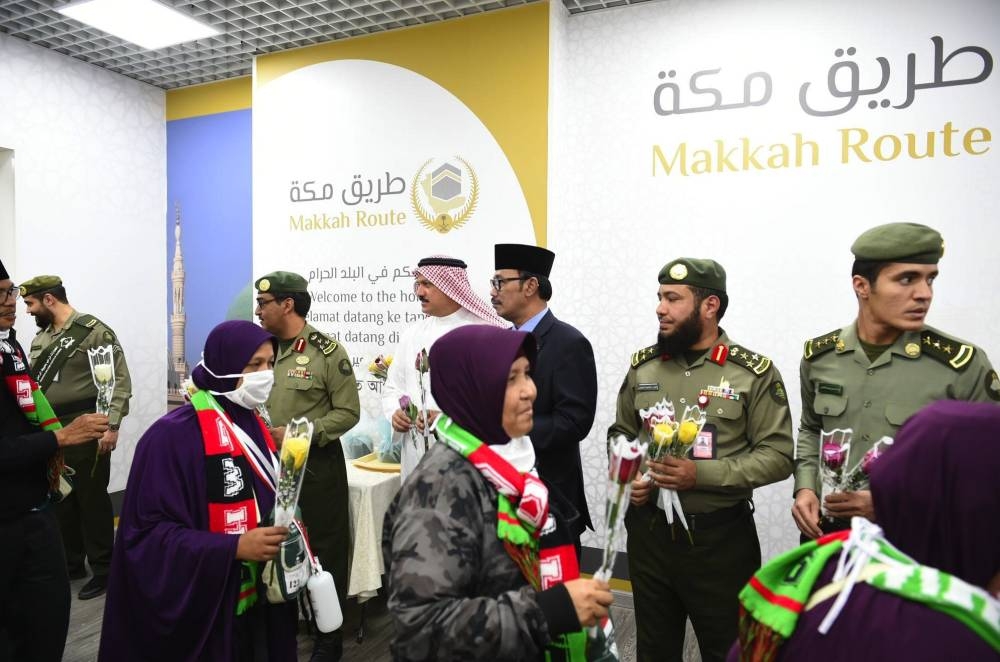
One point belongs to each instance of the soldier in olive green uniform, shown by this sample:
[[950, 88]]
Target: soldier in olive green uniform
[[746, 443], [60, 365], [313, 379], [873, 374]]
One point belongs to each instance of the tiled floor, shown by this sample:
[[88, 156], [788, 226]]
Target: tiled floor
[[85, 628]]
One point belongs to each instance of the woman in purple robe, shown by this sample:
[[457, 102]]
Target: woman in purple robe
[[175, 580], [937, 498]]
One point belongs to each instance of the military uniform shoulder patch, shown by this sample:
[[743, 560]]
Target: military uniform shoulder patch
[[88, 321], [752, 361], [992, 384], [821, 344], [953, 353], [645, 354], [321, 342]]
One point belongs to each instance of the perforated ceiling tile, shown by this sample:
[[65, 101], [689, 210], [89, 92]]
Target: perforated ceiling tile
[[248, 27]]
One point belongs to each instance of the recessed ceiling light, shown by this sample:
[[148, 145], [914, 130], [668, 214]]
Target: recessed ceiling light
[[146, 23]]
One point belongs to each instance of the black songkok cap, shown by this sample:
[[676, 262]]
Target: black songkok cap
[[3, 272], [523, 257]]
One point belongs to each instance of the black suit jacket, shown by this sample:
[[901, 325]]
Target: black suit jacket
[[566, 378]]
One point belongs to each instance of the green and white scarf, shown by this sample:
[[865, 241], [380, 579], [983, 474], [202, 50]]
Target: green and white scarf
[[774, 597]]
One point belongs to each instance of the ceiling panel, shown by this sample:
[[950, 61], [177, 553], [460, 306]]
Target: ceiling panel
[[249, 27]]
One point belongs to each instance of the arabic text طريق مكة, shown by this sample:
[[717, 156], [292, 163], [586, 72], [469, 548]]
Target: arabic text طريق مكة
[[359, 190], [843, 84]]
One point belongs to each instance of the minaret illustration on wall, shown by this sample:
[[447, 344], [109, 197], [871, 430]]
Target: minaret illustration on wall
[[178, 319]]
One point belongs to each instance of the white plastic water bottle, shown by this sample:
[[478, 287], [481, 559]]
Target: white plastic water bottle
[[324, 601]]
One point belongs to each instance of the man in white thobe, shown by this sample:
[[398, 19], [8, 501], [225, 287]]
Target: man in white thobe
[[446, 298]]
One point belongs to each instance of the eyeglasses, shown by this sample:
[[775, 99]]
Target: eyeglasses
[[263, 302], [12, 291], [497, 282]]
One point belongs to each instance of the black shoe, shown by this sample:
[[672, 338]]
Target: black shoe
[[95, 587], [329, 647], [77, 573]]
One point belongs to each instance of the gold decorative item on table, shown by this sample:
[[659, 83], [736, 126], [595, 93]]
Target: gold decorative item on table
[[371, 462]]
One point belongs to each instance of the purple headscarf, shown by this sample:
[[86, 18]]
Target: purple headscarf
[[937, 493], [228, 349], [470, 366]]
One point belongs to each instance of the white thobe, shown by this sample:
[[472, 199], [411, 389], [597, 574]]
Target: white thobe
[[403, 378]]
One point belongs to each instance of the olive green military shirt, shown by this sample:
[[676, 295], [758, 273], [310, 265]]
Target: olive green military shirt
[[753, 434], [841, 388], [313, 378], [74, 382]]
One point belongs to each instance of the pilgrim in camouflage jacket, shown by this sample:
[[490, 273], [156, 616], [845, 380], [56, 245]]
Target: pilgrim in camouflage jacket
[[454, 592]]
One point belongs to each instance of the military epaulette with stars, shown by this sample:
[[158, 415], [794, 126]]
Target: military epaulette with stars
[[949, 351], [822, 344], [324, 344], [752, 361], [645, 354]]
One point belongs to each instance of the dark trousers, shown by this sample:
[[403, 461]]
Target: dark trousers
[[326, 513], [86, 518], [673, 580], [34, 590]]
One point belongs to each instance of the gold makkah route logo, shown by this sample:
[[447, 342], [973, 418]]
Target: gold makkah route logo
[[451, 192]]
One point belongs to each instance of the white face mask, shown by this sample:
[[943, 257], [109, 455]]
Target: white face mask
[[252, 392]]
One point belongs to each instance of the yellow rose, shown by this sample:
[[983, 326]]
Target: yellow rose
[[388, 360], [687, 433], [295, 450], [373, 366], [663, 433]]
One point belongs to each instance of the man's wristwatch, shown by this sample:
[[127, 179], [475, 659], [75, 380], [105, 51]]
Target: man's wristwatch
[[114, 428]]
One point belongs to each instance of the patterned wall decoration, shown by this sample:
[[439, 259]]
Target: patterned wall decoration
[[783, 234], [90, 192]]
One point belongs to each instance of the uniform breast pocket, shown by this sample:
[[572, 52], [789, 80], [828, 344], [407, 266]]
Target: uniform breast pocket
[[299, 384], [723, 408], [897, 412], [827, 404]]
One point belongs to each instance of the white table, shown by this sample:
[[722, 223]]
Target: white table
[[370, 494]]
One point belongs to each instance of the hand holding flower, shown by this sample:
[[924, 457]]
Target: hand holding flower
[[401, 421], [641, 489], [674, 473], [432, 415], [844, 505]]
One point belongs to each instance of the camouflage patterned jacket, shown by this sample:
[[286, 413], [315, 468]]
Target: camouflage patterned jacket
[[454, 592]]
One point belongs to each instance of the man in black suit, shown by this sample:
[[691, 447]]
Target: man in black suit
[[564, 373]]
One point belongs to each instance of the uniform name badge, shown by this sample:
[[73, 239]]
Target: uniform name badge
[[704, 444]]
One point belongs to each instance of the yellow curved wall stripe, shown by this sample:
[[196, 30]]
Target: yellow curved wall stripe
[[496, 63], [211, 98]]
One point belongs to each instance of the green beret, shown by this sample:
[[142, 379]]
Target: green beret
[[695, 272], [284, 282], [900, 242], [39, 284]]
